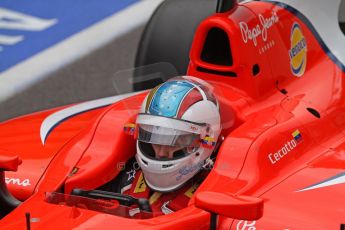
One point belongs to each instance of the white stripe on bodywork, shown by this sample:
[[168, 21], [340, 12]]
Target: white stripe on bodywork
[[324, 15], [339, 179], [54, 119], [27, 73]]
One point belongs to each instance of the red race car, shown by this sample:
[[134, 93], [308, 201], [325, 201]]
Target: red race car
[[277, 69]]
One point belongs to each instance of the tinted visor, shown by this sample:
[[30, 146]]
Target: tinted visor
[[167, 136]]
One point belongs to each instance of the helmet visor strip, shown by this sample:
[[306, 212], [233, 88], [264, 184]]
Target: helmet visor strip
[[167, 136], [172, 123]]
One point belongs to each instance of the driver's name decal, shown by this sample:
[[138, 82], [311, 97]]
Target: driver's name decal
[[287, 148]]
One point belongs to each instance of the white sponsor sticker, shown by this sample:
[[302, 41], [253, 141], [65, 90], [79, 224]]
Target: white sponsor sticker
[[246, 225], [260, 29], [17, 181], [287, 148]]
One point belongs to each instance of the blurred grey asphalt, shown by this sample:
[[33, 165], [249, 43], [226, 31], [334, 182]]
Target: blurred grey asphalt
[[88, 78]]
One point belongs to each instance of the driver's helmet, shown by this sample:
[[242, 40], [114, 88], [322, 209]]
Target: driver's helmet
[[180, 116]]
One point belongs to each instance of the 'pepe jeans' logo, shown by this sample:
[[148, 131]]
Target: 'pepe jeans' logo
[[260, 29], [298, 51]]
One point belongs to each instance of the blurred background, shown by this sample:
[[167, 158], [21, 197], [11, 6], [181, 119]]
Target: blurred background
[[80, 46], [61, 52]]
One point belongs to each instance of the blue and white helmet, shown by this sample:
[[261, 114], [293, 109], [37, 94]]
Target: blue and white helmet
[[181, 112]]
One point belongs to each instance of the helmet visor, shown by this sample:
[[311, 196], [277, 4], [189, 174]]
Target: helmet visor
[[167, 136]]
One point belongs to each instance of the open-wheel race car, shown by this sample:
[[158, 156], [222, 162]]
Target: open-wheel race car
[[277, 70]]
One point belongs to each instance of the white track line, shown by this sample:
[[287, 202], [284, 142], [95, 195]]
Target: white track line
[[30, 71]]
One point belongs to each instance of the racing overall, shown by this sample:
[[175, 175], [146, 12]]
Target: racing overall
[[131, 182]]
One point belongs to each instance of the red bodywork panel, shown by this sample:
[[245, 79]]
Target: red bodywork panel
[[21, 137], [9, 163], [286, 145]]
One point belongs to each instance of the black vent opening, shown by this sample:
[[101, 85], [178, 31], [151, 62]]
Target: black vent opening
[[314, 112], [256, 69], [217, 49], [216, 72]]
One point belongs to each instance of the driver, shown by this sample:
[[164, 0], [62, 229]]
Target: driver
[[178, 128]]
